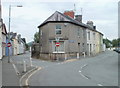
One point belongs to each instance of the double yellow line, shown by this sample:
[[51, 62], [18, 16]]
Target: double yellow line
[[26, 81]]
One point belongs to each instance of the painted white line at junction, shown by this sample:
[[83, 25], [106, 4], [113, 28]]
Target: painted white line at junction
[[16, 70], [100, 85], [83, 75], [83, 66]]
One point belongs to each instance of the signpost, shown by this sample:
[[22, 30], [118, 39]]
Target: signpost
[[8, 45], [57, 45]]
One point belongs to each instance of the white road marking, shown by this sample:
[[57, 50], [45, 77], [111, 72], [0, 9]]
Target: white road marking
[[83, 66], [100, 85], [80, 71], [83, 75], [16, 70]]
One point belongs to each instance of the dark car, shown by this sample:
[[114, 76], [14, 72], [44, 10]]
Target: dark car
[[117, 50]]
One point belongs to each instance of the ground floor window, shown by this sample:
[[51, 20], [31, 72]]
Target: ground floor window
[[58, 49]]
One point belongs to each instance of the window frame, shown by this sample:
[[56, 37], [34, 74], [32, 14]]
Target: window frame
[[58, 28]]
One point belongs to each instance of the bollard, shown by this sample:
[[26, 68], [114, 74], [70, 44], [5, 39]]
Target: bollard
[[24, 64], [65, 56], [31, 61], [77, 55], [84, 54]]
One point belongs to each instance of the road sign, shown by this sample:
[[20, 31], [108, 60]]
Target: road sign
[[57, 44], [8, 44]]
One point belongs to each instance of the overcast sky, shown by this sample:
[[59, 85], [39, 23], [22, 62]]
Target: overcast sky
[[26, 19]]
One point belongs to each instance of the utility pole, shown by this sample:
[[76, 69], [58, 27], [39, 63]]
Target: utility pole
[[9, 30]]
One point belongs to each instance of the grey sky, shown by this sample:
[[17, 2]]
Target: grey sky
[[24, 20]]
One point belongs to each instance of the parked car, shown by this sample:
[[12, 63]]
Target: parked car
[[117, 50]]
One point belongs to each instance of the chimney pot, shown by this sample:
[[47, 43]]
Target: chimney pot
[[78, 18]]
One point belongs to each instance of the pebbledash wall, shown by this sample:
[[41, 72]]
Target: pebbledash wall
[[74, 38]]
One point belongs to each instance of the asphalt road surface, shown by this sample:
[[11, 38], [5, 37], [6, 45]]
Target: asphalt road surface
[[0, 73], [100, 70]]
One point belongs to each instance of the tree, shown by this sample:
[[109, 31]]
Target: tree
[[36, 37], [107, 42], [116, 42]]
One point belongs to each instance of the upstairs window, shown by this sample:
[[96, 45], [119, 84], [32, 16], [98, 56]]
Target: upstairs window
[[89, 35], [78, 32], [58, 29], [94, 36]]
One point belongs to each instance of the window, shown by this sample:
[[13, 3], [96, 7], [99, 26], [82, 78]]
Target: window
[[58, 49], [58, 29], [89, 35], [83, 46], [83, 33], [94, 36], [78, 32], [41, 32]]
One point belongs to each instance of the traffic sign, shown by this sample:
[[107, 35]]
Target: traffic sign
[[57, 44], [8, 44]]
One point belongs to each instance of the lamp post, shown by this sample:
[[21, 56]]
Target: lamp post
[[9, 29]]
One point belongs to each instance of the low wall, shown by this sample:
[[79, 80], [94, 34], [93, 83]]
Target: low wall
[[55, 56]]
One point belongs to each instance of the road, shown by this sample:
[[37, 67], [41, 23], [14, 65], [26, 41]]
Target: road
[[100, 70], [0, 73]]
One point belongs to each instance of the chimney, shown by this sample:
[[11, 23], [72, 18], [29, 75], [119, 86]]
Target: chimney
[[94, 27], [90, 23], [78, 18], [69, 13]]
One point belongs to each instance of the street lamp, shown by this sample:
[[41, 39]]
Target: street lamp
[[9, 28]]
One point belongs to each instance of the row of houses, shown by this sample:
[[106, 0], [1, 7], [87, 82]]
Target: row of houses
[[74, 37], [17, 43], [0, 33]]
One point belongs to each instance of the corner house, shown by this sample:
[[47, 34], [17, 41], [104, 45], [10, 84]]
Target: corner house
[[72, 36]]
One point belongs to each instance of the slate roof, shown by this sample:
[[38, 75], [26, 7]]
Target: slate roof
[[59, 17]]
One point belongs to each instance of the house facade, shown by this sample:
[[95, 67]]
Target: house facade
[[0, 39], [4, 33], [21, 44], [0, 33], [18, 45], [73, 36]]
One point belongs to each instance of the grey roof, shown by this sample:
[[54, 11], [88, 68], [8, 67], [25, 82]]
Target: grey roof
[[59, 17], [12, 35]]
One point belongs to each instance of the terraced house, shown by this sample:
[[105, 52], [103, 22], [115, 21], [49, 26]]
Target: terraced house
[[0, 40], [74, 36], [0, 34]]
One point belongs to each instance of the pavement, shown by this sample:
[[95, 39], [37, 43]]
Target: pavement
[[12, 72]]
